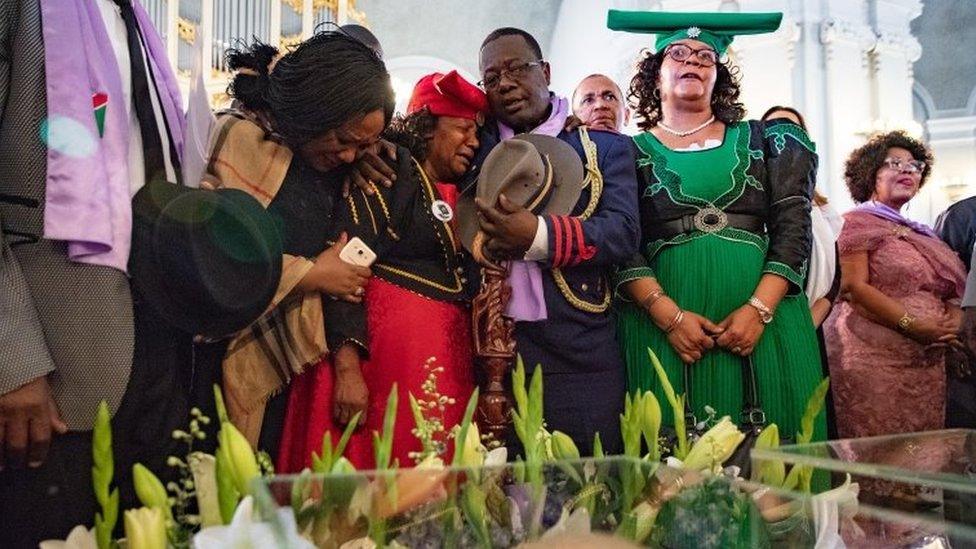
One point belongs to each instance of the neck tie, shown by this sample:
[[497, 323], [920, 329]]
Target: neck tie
[[152, 146]]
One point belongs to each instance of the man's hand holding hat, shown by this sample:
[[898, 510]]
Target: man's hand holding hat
[[509, 228], [522, 178]]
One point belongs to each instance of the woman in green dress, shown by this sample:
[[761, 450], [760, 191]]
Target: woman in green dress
[[725, 219]]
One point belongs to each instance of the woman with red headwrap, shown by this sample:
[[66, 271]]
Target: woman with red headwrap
[[415, 306]]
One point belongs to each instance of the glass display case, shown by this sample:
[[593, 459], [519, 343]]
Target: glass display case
[[914, 489]]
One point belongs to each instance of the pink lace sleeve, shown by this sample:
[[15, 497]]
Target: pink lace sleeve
[[862, 232]]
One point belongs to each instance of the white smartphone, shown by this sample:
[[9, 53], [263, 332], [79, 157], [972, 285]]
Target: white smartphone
[[357, 252]]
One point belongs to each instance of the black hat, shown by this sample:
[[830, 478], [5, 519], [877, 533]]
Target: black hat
[[208, 262]]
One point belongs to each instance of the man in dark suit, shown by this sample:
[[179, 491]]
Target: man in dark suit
[[69, 337], [573, 340], [957, 227]]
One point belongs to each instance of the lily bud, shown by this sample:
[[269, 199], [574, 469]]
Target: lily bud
[[563, 446], [474, 452], [150, 490], [145, 528], [342, 466], [651, 422], [769, 472], [243, 464], [715, 446]]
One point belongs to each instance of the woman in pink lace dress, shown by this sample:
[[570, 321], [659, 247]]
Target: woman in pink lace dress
[[901, 287]]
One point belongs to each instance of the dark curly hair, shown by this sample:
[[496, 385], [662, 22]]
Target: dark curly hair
[[647, 106], [315, 87], [412, 131], [863, 164]]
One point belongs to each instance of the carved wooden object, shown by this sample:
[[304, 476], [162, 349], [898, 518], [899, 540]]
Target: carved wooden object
[[494, 350]]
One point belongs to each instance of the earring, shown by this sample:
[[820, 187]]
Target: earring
[[656, 94]]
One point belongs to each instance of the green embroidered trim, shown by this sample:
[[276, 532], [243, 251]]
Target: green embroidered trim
[[623, 276], [787, 272], [664, 177], [744, 156], [654, 247], [729, 233], [779, 133], [761, 242], [669, 180]]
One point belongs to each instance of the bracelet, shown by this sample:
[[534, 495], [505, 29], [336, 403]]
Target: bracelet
[[905, 323], [765, 313], [651, 298], [675, 321]]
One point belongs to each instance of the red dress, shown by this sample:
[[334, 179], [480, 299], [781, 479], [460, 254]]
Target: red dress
[[408, 335]]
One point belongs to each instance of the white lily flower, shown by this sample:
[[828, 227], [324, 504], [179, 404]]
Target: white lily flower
[[673, 462], [497, 457], [832, 508], [204, 469], [79, 538], [715, 446], [246, 532]]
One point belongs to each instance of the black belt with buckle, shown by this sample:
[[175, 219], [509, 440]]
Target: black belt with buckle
[[707, 220]]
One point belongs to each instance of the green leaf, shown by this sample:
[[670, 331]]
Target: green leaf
[[677, 406], [535, 397], [300, 490], [103, 534], [597, 445], [383, 444], [346, 435], [518, 469], [518, 387], [473, 505], [465, 425], [322, 463], [814, 405], [219, 402], [103, 465], [112, 509], [769, 472], [227, 494]]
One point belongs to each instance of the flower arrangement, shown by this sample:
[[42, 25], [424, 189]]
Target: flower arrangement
[[661, 491]]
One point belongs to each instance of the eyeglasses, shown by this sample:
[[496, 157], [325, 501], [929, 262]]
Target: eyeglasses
[[516, 71], [681, 53], [912, 166]]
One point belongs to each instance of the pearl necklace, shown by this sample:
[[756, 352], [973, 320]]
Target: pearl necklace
[[686, 133]]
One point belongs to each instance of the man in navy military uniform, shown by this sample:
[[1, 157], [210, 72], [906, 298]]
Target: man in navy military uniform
[[570, 332]]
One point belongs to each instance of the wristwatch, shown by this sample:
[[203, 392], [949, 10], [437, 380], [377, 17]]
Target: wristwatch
[[765, 314]]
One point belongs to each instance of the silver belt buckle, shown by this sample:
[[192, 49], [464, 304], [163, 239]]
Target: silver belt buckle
[[710, 220]]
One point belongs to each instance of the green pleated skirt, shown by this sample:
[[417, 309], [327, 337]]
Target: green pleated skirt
[[713, 275]]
